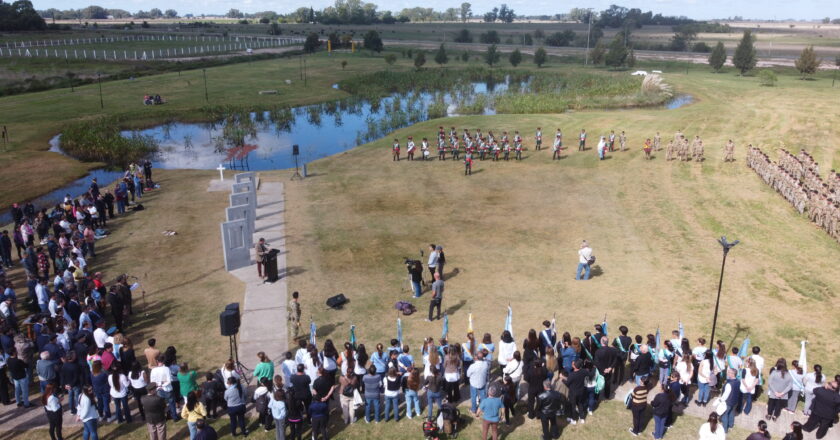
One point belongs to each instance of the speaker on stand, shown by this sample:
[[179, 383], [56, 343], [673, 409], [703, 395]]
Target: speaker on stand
[[229, 322], [296, 153]]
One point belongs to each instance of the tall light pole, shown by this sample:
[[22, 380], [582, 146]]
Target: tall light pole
[[588, 34], [99, 81], [726, 247]]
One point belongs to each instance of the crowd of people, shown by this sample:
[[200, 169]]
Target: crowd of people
[[797, 179], [503, 147], [64, 341]]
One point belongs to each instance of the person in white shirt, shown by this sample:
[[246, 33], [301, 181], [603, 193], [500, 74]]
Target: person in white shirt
[[514, 369], [43, 295], [119, 394], [749, 381], [52, 305], [584, 255], [433, 260], [100, 336], [288, 369], [713, 429], [162, 377], [507, 348]]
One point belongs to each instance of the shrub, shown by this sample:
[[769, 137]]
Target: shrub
[[767, 78]]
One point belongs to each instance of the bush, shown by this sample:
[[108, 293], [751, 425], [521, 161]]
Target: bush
[[560, 39], [464, 36], [701, 47], [767, 78], [100, 140], [490, 37]]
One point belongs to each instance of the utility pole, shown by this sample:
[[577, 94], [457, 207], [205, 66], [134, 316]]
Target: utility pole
[[204, 72], [99, 80], [588, 34]]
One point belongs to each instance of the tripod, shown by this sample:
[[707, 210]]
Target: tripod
[[239, 367], [296, 175]]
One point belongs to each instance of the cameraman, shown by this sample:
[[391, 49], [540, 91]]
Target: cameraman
[[415, 270]]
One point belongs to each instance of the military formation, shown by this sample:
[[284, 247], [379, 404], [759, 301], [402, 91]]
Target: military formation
[[680, 148], [796, 177]]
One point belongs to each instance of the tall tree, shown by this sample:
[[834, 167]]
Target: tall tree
[[515, 58], [744, 58], [440, 56], [808, 62], [597, 53], [540, 57], [419, 59], [631, 59], [492, 55], [372, 41], [466, 11], [617, 54], [312, 42], [718, 57]]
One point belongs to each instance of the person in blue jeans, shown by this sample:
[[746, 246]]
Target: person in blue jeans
[[584, 255], [372, 384], [87, 414], [661, 405], [379, 359], [392, 385], [19, 371], [433, 385], [415, 271], [412, 389], [732, 396], [101, 389], [477, 375]]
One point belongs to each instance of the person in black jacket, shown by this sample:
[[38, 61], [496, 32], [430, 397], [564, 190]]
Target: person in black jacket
[[117, 307], [577, 391], [661, 405], [605, 359], [824, 409], [642, 364], [622, 344], [70, 377], [535, 377], [549, 404], [155, 408]]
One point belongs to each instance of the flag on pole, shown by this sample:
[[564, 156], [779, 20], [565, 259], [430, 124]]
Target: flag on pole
[[682, 331], [312, 332], [803, 361], [745, 348], [470, 323], [658, 341], [604, 326], [553, 327], [445, 325], [509, 320], [353, 336], [399, 331]]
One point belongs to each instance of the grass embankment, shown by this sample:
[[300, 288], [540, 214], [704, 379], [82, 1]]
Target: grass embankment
[[511, 230]]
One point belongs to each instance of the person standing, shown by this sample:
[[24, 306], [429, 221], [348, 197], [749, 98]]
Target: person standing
[[535, 375], [489, 411], [51, 399], [19, 372], [192, 411], [415, 271], [779, 384], [584, 261], [605, 360], [549, 404], [294, 313], [477, 374], [638, 405], [437, 297], [824, 410], [577, 391], [711, 430], [812, 381], [582, 137], [261, 249], [763, 434], [372, 384], [433, 259], [235, 399], [277, 408], [155, 409], [119, 394], [730, 397], [87, 414], [661, 406]]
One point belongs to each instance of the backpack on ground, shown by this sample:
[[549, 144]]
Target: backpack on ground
[[430, 429], [405, 307]]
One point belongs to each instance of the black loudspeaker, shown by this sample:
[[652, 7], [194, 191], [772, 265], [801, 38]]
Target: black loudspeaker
[[295, 150], [229, 320], [336, 301]]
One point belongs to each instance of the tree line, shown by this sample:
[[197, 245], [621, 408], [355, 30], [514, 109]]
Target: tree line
[[20, 16]]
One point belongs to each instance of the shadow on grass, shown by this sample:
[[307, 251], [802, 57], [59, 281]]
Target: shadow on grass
[[596, 271], [456, 307]]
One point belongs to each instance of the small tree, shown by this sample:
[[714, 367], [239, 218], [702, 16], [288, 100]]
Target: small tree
[[718, 57], [631, 59], [343, 64], [465, 57], [372, 41], [492, 55], [540, 57], [539, 34], [312, 43], [440, 57], [617, 55], [597, 53], [808, 62], [419, 59], [515, 58], [463, 36], [744, 58], [490, 37], [390, 59], [767, 78]]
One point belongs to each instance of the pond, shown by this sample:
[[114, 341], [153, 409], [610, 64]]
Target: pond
[[321, 130]]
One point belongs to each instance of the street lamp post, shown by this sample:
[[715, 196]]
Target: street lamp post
[[588, 33], [726, 247]]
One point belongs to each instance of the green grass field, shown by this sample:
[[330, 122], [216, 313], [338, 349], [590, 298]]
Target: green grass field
[[510, 231]]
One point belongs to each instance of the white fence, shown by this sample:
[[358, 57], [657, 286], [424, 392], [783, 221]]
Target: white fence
[[105, 40], [145, 54]]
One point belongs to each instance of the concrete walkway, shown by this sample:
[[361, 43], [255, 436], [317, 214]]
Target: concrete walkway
[[264, 325]]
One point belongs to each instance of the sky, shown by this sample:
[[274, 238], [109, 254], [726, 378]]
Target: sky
[[696, 9]]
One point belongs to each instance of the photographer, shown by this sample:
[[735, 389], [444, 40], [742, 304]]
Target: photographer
[[415, 270]]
